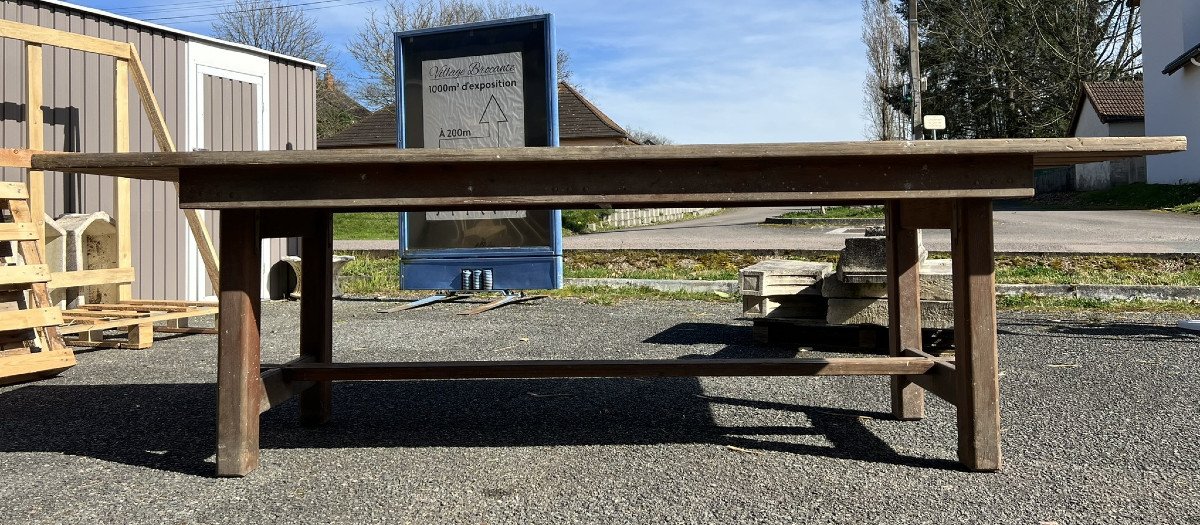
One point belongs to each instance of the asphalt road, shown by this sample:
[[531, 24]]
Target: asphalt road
[[1099, 417], [1016, 231]]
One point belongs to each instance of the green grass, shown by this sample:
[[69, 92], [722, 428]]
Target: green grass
[[839, 212], [1037, 303], [370, 276], [1191, 207], [1140, 196], [366, 226]]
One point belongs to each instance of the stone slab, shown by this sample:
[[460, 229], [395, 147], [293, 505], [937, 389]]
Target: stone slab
[[934, 314], [784, 277], [784, 306], [937, 284]]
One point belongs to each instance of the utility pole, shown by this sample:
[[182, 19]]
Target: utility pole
[[914, 72]]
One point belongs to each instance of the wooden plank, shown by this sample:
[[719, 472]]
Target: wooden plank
[[17, 368], [135, 308], [277, 389], [41, 35], [13, 190], [185, 330], [39, 294], [59, 280], [122, 215], [939, 380], [162, 134], [158, 125], [976, 366], [31, 318], [18, 231], [171, 302], [316, 311], [76, 314], [239, 388], [926, 214], [512, 186], [15, 158], [1091, 149], [23, 275], [904, 307], [607, 368], [35, 180]]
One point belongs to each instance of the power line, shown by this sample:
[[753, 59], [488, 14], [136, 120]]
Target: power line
[[213, 16], [181, 6]]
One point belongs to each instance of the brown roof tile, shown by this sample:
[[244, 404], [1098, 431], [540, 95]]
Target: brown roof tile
[[577, 119], [1117, 101]]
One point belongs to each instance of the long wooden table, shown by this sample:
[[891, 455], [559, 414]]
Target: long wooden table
[[930, 184]]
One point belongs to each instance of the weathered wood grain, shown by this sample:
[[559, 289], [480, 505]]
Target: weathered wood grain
[[239, 388], [601, 368], [975, 343], [904, 307]]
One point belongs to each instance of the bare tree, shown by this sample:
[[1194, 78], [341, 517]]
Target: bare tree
[[883, 35], [373, 46], [272, 25], [648, 137]]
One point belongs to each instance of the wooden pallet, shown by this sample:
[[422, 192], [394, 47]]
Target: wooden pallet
[[30, 346], [137, 320]]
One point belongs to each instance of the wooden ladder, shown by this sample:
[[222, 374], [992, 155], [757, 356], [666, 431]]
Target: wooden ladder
[[30, 345]]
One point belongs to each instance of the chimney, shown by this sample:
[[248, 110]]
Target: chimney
[[330, 83]]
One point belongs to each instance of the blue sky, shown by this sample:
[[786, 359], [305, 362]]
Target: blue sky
[[694, 71]]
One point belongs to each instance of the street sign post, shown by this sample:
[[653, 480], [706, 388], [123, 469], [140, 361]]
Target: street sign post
[[483, 85], [935, 123]]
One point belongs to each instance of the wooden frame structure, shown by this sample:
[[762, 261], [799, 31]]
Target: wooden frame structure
[[27, 317], [927, 184], [127, 67]]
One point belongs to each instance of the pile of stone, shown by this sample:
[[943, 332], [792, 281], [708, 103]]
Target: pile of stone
[[852, 294]]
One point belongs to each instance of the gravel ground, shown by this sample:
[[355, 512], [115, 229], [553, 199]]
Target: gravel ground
[[1100, 426]]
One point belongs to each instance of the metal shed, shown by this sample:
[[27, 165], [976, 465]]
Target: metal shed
[[214, 94]]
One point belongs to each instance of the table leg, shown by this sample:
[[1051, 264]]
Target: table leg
[[316, 312], [975, 343], [238, 357], [904, 308]]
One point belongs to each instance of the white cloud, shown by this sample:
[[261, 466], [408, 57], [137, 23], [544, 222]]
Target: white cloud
[[700, 72]]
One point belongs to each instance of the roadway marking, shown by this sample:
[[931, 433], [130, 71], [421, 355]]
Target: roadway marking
[[847, 231]]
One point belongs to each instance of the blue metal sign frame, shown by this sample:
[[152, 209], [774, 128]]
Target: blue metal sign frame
[[510, 267]]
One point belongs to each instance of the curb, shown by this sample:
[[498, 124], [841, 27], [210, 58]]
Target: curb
[[665, 285], [1102, 292], [814, 222]]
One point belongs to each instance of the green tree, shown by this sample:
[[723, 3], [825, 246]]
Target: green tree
[[1014, 68]]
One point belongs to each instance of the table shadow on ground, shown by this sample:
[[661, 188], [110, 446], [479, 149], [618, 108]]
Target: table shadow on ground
[[171, 427]]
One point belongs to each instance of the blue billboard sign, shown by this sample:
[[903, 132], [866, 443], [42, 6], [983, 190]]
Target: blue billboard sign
[[482, 85]]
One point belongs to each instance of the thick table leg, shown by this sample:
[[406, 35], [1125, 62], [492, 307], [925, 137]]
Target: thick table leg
[[975, 336], [316, 313], [238, 358], [904, 308]]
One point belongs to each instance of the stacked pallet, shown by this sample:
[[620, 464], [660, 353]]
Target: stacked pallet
[[784, 290], [787, 299], [30, 346]]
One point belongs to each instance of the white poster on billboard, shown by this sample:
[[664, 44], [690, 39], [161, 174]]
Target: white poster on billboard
[[473, 102]]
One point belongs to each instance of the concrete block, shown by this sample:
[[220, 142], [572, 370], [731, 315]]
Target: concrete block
[[784, 277], [91, 245], [936, 284], [864, 260], [784, 306], [934, 314], [56, 256]]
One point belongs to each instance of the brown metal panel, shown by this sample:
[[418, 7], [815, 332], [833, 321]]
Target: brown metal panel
[[11, 118], [275, 112]]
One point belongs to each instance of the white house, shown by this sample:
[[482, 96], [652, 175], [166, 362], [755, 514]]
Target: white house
[[1109, 109], [1171, 59]]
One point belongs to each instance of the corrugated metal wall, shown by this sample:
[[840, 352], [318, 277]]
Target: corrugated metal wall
[[78, 109]]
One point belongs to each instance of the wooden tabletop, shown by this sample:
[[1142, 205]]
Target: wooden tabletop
[[619, 176]]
